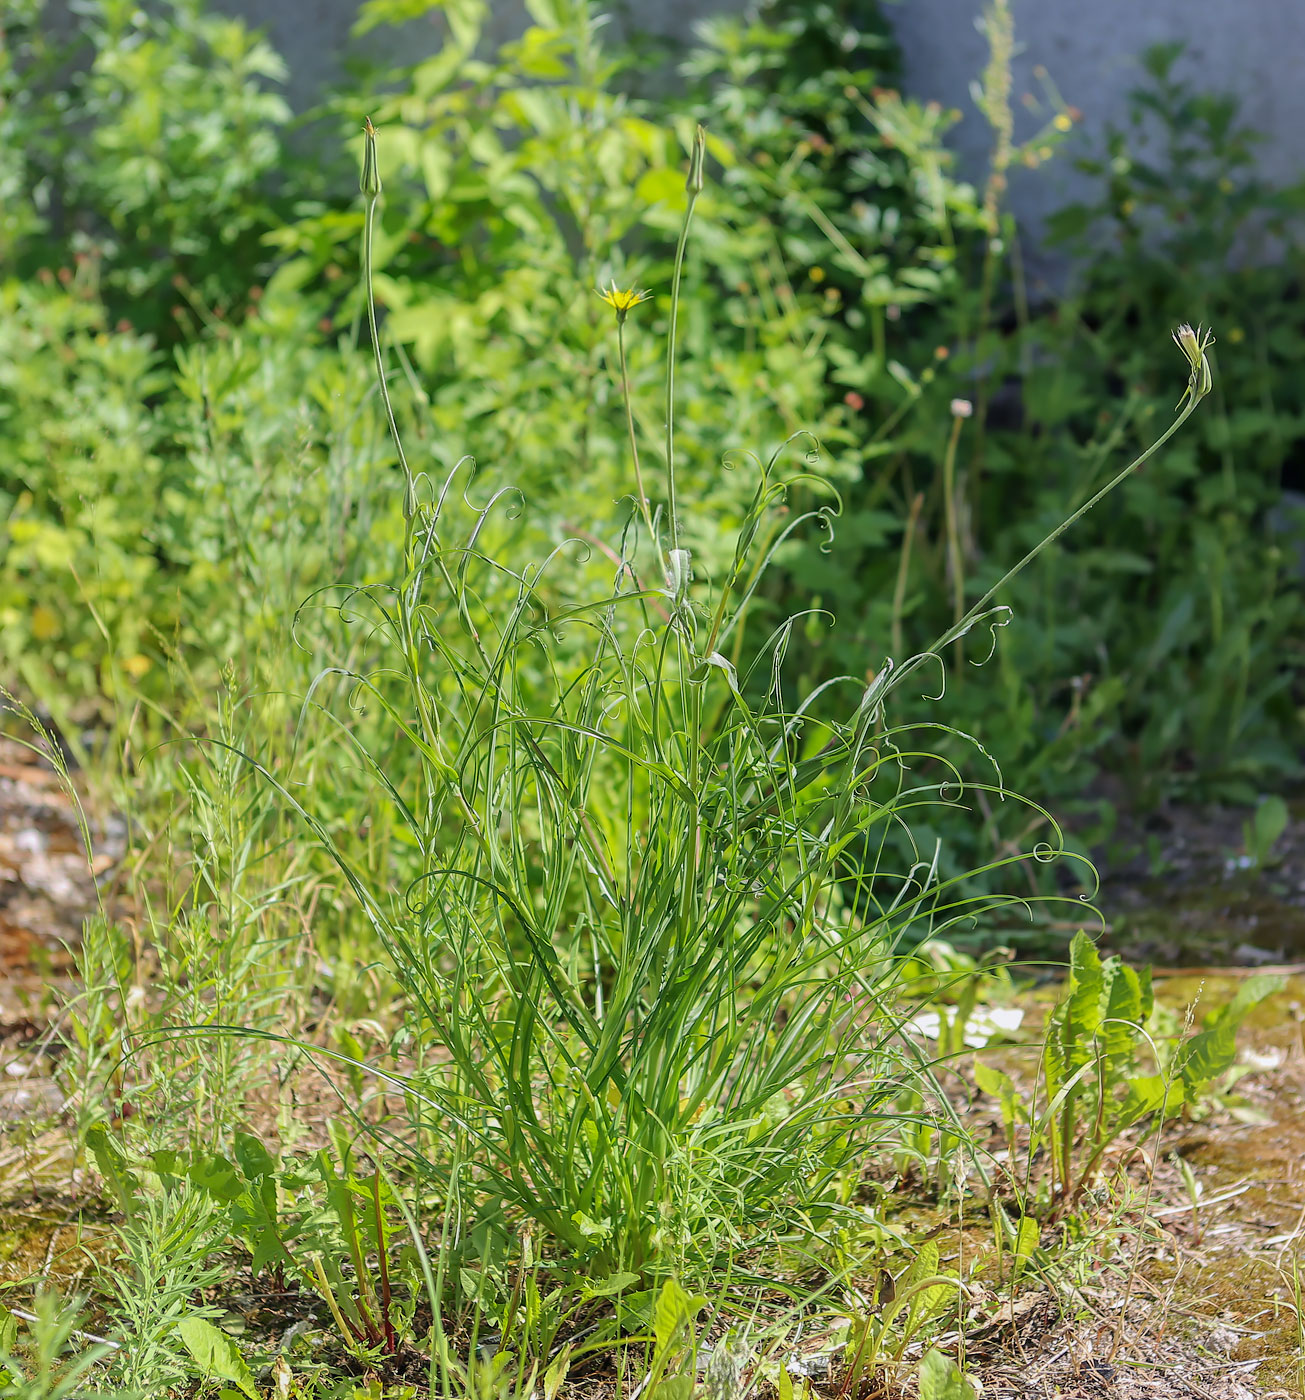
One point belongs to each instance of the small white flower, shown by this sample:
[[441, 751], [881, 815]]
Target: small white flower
[[962, 408]]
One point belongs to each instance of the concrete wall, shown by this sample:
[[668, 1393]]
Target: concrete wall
[[1255, 48]]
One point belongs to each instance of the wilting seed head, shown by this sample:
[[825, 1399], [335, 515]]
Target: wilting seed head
[[622, 302], [1194, 344], [370, 181]]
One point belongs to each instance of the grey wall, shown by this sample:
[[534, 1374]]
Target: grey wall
[[1255, 48]]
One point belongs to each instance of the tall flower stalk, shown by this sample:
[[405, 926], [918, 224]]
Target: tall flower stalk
[[623, 303]]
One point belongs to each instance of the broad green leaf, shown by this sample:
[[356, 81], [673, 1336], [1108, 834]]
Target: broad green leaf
[[674, 1388], [216, 1354], [1147, 992], [591, 1229], [216, 1177], [1267, 825], [112, 1166], [1123, 1018], [661, 185], [924, 1265], [253, 1157], [1147, 1095], [170, 1167], [614, 1283], [927, 1304], [556, 1373], [941, 1379], [1055, 1066], [1027, 1239], [8, 1331], [1000, 1086], [928, 1300], [1251, 992], [1086, 985], [1206, 1055], [673, 1314], [1212, 1051]]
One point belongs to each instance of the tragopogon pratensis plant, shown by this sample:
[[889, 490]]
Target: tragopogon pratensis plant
[[649, 938]]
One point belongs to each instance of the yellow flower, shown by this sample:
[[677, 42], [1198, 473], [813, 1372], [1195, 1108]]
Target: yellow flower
[[622, 302], [1063, 121]]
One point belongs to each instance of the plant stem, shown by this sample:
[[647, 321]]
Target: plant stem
[[670, 367], [409, 491], [955, 564], [390, 1344], [629, 423], [959, 628]]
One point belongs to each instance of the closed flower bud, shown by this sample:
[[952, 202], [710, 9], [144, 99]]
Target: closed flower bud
[[370, 182], [1193, 344], [696, 179]]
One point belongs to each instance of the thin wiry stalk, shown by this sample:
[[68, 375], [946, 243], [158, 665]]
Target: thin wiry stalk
[[693, 188], [371, 188], [951, 505], [634, 439]]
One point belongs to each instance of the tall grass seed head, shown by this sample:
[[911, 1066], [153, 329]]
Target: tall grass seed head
[[370, 180]]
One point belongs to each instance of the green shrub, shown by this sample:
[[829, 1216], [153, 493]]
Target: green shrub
[[159, 158], [1213, 612], [87, 503]]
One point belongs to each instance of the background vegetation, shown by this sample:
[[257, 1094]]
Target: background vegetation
[[576, 842]]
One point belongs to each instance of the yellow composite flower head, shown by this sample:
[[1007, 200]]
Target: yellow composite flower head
[[622, 302]]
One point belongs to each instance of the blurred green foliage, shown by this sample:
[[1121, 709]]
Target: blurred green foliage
[[189, 449]]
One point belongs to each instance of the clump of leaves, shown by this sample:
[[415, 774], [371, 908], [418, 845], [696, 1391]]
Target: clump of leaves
[[1104, 1070]]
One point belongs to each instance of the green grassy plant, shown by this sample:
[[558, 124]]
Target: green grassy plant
[[661, 869], [51, 1361], [634, 927], [624, 1085]]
